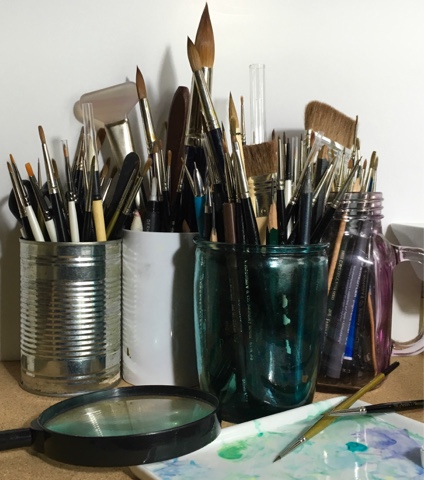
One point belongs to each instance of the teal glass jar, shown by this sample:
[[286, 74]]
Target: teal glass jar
[[259, 313]]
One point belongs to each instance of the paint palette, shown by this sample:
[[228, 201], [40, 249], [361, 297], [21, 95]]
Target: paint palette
[[379, 447]]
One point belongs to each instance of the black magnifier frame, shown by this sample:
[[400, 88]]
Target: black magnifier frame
[[123, 449]]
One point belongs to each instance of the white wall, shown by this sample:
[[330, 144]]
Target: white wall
[[364, 58]]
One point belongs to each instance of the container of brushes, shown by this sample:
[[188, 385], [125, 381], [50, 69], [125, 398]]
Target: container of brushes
[[357, 339], [157, 315], [70, 304], [259, 311]]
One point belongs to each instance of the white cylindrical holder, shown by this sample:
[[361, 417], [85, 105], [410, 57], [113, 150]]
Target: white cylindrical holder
[[158, 344]]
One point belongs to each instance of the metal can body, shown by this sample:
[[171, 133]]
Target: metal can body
[[70, 304]]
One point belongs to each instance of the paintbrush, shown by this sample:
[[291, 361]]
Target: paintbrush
[[327, 420], [177, 119], [42, 204], [58, 214], [379, 408], [212, 124], [71, 196], [338, 127], [91, 156], [111, 107], [251, 228]]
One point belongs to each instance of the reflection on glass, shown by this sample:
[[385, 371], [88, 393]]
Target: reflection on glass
[[130, 415]]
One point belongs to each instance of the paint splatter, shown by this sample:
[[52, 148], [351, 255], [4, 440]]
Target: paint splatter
[[356, 447], [364, 447]]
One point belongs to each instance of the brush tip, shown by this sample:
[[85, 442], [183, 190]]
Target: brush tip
[[140, 84], [29, 169], [41, 133], [204, 40], [193, 56]]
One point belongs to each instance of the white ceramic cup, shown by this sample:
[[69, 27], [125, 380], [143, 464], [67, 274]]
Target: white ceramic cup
[[158, 344]]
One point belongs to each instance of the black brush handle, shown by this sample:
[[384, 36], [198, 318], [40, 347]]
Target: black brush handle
[[59, 219], [250, 225], [322, 224], [215, 139], [281, 216], [130, 163]]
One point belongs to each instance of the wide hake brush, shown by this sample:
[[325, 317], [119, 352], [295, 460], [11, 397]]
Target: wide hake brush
[[111, 107]]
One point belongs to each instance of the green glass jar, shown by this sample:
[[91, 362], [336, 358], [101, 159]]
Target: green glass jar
[[259, 313]]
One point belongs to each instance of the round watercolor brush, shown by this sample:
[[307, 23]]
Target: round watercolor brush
[[213, 128]]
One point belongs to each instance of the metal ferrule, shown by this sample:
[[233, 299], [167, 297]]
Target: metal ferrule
[[51, 180], [242, 184], [120, 139], [194, 127], [149, 128], [208, 109]]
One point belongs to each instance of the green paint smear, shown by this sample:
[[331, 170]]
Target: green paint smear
[[233, 451], [356, 447]]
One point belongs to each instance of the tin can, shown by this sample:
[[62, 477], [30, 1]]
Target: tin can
[[70, 314]]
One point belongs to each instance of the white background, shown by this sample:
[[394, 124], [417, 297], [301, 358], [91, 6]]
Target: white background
[[363, 57]]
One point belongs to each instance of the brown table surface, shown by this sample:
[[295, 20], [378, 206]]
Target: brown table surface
[[19, 407]]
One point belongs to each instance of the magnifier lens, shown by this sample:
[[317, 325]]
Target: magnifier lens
[[129, 416]]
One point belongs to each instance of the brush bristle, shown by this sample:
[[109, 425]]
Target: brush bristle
[[29, 169], [41, 133], [204, 40], [260, 159], [233, 113], [193, 56], [141, 86], [334, 124]]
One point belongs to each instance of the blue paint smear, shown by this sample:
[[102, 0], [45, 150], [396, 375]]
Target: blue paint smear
[[356, 447], [364, 448]]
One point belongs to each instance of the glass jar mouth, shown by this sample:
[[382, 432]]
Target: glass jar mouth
[[361, 204], [311, 249]]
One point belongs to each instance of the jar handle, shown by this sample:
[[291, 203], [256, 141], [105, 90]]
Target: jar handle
[[416, 345]]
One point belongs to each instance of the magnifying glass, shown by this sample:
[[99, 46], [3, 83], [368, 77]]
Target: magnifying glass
[[122, 426]]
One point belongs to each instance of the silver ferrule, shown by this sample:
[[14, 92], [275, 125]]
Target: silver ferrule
[[149, 128], [208, 109]]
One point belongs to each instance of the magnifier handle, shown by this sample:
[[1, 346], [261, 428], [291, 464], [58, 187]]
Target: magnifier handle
[[17, 438]]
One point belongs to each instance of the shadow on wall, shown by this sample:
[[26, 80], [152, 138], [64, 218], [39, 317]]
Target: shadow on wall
[[9, 294]]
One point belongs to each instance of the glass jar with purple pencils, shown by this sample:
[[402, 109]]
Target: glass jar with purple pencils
[[356, 341]]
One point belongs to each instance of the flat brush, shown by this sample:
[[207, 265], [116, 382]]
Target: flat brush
[[58, 215], [111, 107]]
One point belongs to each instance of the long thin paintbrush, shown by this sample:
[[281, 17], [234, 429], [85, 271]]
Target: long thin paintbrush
[[211, 119], [327, 420], [58, 214]]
